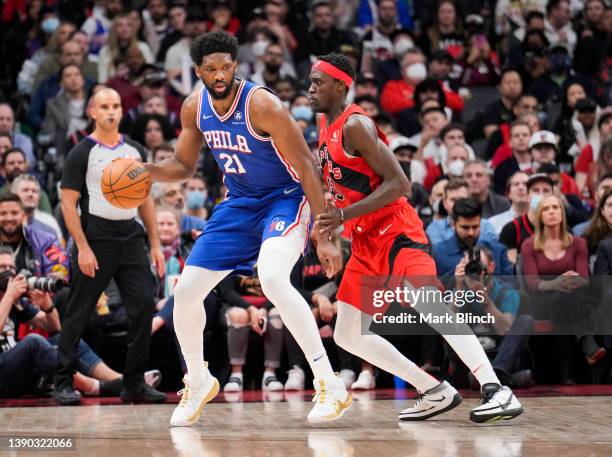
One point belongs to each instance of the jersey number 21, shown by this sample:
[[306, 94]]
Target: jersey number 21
[[229, 164]]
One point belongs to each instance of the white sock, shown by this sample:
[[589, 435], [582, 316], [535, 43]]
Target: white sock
[[190, 319], [461, 338], [469, 350], [276, 260], [238, 374], [376, 350]]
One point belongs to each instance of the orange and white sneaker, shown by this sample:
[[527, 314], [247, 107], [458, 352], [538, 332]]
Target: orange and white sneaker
[[193, 400], [331, 400]]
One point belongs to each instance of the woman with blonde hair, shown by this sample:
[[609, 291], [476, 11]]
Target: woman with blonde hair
[[553, 251], [121, 37]]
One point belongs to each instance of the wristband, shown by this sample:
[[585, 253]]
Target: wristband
[[50, 310]]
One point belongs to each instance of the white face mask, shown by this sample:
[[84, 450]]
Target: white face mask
[[259, 47], [535, 201], [416, 72], [402, 45], [455, 168]]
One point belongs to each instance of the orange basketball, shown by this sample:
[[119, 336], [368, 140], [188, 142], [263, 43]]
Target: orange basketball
[[126, 183]]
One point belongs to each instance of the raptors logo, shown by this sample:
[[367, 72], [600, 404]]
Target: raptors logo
[[331, 173]]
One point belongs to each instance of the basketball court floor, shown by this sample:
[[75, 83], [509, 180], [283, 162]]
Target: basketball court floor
[[557, 422]]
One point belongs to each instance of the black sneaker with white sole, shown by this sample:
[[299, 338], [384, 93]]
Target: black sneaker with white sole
[[498, 403], [435, 401]]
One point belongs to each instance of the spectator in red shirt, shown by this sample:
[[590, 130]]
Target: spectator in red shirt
[[586, 168], [398, 95], [221, 18]]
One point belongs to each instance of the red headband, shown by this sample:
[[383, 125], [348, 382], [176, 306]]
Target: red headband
[[333, 71]]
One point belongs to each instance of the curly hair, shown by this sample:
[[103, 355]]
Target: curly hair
[[340, 61], [212, 42]]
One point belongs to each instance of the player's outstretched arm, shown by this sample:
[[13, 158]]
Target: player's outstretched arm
[[183, 165], [269, 115], [361, 137]]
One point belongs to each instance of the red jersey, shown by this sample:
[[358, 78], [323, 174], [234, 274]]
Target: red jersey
[[350, 178], [387, 242]]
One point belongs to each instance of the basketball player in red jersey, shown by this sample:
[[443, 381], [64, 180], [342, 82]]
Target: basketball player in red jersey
[[368, 187]]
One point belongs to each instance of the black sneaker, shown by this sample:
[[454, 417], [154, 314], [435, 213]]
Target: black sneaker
[[144, 393], [66, 396]]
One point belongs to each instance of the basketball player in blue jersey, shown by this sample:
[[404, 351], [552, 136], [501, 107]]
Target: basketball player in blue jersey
[[273, 191]]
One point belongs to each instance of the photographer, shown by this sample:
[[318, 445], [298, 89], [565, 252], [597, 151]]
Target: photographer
[[35, 250], [510, 331], [23, 363], [465, 224], [26, 362]]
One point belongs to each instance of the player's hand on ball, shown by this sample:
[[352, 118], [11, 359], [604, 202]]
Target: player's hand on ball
[[88, 262], [329, 256], [330, 220]]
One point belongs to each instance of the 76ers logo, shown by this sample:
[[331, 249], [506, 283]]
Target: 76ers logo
[[276, 225]]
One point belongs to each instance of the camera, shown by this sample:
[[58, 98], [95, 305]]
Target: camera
[[474, 268], [45, 284]]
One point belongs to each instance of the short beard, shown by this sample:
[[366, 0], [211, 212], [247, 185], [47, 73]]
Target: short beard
[[8, 234], [226, 92]]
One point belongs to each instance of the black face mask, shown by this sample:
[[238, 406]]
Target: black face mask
[[272, 67], [4, 279], [406, 168]]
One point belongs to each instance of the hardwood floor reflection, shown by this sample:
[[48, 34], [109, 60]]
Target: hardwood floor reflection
[[550, 427]]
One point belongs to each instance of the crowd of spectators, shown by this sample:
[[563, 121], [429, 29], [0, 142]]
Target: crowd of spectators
[[499, 112]]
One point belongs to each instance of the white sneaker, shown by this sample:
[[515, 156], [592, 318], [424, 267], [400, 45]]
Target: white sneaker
[[365, 381], [234, 383], [331, 400], [498, 402], [193, 400], [295, 380], [435, 401], [348, 377], [270, 383]]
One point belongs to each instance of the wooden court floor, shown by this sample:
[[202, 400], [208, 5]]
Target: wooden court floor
[[550, 427]]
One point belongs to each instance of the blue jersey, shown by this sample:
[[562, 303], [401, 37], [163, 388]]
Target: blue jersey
[[251, 163]]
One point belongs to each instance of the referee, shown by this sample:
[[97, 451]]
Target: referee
[[109, 244]]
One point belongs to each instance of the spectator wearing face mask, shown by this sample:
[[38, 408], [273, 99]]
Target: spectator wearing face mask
[[515, 232], [302, 112], [452, 162], [197, 203], [549, 87], [398, 95], [173, 195]]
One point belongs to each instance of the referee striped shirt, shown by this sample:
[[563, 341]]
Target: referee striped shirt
[[83, 170]]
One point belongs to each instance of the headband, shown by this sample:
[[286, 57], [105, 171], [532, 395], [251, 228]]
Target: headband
[[333, 71]]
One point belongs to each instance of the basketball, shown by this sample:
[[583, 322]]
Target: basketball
[[126, 183]]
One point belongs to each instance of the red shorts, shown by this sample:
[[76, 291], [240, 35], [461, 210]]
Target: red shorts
[[388, 244]]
